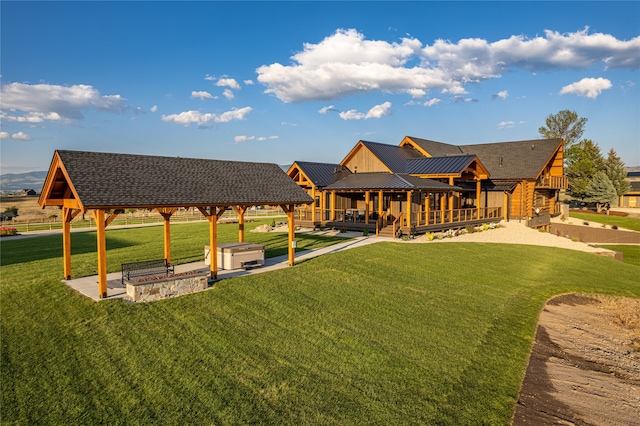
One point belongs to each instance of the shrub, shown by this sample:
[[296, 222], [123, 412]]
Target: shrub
[[365, 232], [7, 231], [273, 223], [431, 236], [470, 229], [450, 233], [614, 226], [585, 223], [485, 226]]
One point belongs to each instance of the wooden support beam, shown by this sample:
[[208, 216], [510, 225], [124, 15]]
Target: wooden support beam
[[240, 210], [478, 185], [291, 241], [213, 214], [98, 215], [408, 218], [333, 205], [505, 206], [67, 216], [166, 213], [367, 201], [380, 203], [313, 206], [427, 201]]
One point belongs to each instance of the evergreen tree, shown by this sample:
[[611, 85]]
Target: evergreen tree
[[565, 125], [614, 168], [600, 190], [583, 160]]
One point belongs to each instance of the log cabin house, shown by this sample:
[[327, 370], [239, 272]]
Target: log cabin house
[[421, 186]]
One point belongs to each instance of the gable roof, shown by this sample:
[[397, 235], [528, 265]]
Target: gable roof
[[107, 180], [322, 174], [388, 181], [392, 156], [454, 164], [503, 160]]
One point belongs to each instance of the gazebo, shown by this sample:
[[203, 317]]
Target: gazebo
[[106, 184]]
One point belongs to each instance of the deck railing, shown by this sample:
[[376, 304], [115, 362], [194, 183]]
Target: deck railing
[[434, 217], [437, 217], [553, 182]]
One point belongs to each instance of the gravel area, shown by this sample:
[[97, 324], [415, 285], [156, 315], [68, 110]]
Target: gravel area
[[515, 232]]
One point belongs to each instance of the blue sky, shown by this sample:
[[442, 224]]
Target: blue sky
[[285, 81]]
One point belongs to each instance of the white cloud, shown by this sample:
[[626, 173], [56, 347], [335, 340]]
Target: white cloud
[[345, 63], [416, 93], [504, 94], [228, 94], [248, 82], [201, 119], [589, 87], [431, 102], [377, 111], [53, 102], [506, 125], [18, 136], [327, 109], [242, 138], [228, 82], [202, 95], [32, 117], [154, 108]]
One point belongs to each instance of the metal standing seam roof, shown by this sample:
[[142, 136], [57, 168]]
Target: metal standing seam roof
[[454, 164], [388, 181], [504, 160], [123, 180], [392, 156], [323, 174]]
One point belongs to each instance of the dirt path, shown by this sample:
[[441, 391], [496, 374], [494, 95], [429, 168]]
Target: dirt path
[[585, 364]]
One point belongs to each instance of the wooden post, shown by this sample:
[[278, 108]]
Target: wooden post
[[505, 206], [290, 211], [333, 205], [408, 219], [240, 211], [166, 214], [380, 203], [66, 241], [102, 252], [478, 197], [427, 203], [367, 200], [313, 206], [212, 215]]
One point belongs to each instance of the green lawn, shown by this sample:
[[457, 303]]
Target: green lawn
[[389, 333], [620, 221], [631, 253]]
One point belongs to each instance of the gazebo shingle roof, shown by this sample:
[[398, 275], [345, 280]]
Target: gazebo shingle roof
[[126, 180]]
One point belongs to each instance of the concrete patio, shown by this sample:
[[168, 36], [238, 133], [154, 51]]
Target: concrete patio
[[88, 286]]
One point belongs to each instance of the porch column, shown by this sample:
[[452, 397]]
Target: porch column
[[426, 208], [166, 214], [408, 220], [451, 200], [367, 199], [505, 206], [290, 211], [333, 205], [323, 205], [212, 215], [478, 183], [67, 216], [380, 203], [442, 199], [313, 206], [98, 215], [240, 210]]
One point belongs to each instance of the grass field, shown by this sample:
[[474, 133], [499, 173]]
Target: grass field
[[620, 221], [631, 253], [389, 333]]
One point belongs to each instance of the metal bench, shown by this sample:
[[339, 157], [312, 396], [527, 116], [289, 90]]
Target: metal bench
[[145, 268]]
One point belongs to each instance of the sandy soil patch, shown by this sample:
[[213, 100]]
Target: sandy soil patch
[[584, 367]]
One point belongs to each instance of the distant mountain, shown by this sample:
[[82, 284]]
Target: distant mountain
[[15, 182]]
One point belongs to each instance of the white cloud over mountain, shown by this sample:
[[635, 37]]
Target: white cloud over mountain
[[345, 63], [53, 102]]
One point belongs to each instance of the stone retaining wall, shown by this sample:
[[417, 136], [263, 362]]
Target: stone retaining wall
[[168, 287], [588, 234]]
